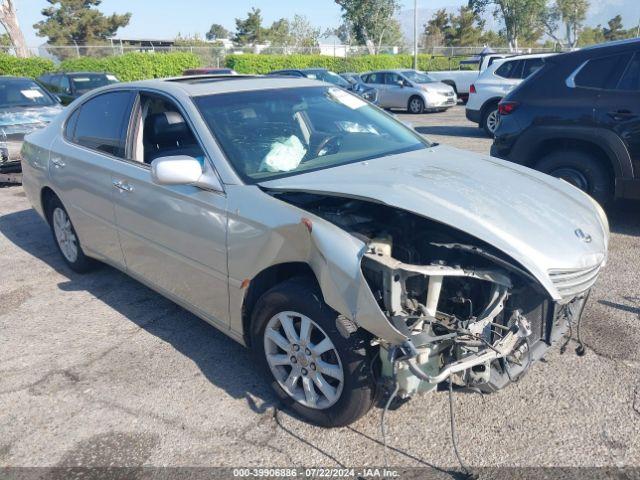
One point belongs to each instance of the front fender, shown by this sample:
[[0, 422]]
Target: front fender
[[259, 240]]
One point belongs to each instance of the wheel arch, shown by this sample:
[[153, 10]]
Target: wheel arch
[[488, 103], [610, 149], [452, 84], [46, 195], [267, 279]]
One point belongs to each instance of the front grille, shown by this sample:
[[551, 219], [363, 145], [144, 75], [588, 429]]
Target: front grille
[[571, 283]]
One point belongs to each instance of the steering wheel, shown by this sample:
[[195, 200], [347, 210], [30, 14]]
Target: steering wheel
[[331, 143]]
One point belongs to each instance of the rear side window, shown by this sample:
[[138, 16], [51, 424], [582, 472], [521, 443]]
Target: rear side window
[[510, 69], [377, 77], [531, 66], [103, 121], [596, 73], [70, 127], [630, 79]]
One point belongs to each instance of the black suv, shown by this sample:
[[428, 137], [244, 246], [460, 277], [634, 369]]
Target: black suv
[[578, 118]]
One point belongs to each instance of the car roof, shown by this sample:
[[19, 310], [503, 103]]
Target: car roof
[[198, 85]]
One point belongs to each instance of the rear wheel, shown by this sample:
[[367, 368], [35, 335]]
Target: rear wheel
[[416, 105], [581, 170], [317, 372], [490, 119], [66, 237]]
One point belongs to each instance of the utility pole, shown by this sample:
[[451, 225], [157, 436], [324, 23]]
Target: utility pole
[[415, 34]]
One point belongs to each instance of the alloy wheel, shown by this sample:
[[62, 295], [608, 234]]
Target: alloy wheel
[[492, 121], [303, 360], [415, 105], [66, 238]]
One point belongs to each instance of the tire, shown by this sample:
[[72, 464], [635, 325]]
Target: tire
[[489, 121], [295, 301], [66, 238], [582, 170], [415, 105]]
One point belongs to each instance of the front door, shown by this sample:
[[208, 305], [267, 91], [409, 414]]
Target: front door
[[396, 92], [173, 237]]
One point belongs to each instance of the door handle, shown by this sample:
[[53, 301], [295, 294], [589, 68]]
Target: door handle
[[58, 162], [620, 115], [122, 186]]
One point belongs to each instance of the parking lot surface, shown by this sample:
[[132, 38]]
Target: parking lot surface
[[99, 370]]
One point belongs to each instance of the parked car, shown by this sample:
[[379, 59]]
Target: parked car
[[315, 228], [368, 93], [209, 71], [578, 118], [462, 79], [358, 86], [410, 90], [25, 106], [494, 83], [69, 86]]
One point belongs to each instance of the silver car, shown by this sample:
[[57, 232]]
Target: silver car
[[410, 90], [345, 249]]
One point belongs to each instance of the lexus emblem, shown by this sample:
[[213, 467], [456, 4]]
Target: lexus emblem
[[585, 237]]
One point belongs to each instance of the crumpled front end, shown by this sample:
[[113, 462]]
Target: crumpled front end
[[460, 309]]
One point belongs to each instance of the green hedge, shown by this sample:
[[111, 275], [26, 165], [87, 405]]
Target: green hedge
[[24, 67], [135, 65], [259, 63]]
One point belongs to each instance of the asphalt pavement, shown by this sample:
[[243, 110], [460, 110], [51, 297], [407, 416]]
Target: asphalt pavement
[[98, 370]]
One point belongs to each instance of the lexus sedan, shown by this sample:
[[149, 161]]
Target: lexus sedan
[[345, 249], [24, 107]]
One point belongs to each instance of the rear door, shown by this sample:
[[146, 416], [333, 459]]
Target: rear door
[[618, 105], [81, 166]]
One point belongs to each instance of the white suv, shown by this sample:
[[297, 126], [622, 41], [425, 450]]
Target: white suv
[[494, 83]]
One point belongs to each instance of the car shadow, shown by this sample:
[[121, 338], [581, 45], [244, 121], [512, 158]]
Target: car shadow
[[452, 131], [221, 360], [211, 350]]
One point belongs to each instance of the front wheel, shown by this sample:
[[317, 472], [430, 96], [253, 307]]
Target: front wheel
[[416, 105], [317, 372]]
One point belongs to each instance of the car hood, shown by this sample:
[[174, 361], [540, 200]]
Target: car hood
[[14, 118], [437, 87], [532, 217]]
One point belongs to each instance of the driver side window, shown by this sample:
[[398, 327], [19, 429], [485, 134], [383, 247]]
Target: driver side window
[[162, 131]]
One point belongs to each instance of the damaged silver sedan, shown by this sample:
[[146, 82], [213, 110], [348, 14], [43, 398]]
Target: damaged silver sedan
[[350, 253]]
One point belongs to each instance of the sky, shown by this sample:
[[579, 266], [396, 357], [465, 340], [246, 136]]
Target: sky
[[164, 19]]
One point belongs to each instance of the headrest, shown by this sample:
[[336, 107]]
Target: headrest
[[166, 128]]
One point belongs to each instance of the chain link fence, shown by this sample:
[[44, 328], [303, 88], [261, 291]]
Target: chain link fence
[[215, 55]]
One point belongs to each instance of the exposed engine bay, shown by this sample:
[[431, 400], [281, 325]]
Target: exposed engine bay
[[473, 315]]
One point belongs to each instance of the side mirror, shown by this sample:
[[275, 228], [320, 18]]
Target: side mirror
[[400, 83], [57, 98], [183, 170]]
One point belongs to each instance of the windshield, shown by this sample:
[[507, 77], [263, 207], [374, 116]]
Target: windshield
[[21, 92], [417, 77], [270, 134], [83, 83], [329, 77]]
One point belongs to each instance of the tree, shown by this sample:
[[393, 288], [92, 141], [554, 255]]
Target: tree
[[9, 20], [572, 14], [250, 30], [343, 32], [217, 31], [303, 34], [434, 29], [372, 21], [465, 28], [591, 36], [521, 18], [615, 30], [76, 22]]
